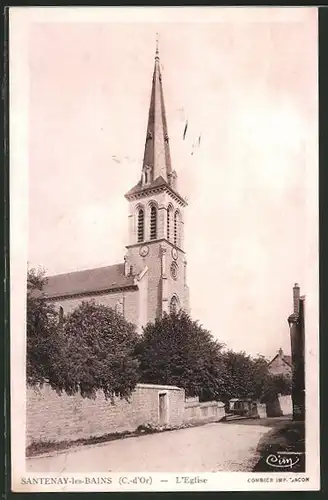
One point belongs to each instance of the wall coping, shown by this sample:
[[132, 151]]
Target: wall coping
[[138, 386], [159, 387], [193, 404]]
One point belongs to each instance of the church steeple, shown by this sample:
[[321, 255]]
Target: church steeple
[[156, 170], [157, 158], [156, 218]]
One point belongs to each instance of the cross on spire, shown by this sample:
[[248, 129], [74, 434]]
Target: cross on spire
[[157, 51]]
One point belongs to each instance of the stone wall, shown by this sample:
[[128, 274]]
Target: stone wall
[[261, 408], [282, 407], [53, 417], [286, 405], [196, 412]]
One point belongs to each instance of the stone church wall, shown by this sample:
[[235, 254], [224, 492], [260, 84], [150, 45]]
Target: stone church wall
[[153, 263], [129, 299], [53, 417]]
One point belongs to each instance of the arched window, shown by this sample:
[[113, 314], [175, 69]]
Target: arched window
[[176, 227], [174, 305], [141, 225], [153, 223], [168, 222]]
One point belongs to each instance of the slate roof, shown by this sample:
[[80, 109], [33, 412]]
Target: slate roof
[[88, 281], [157, 149], [285, 357], [159, 182], [288, 359]]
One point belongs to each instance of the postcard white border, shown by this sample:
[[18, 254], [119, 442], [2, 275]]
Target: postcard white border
[[20, 20]]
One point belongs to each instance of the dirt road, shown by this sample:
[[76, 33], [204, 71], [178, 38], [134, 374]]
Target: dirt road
[[209, 448]]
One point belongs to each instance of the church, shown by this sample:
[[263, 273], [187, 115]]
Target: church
[[152, 279]]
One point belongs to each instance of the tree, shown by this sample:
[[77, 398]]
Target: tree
[[247, 377], [275, 385], [43, 343], [243, 376], [98, 352], [175, 350]]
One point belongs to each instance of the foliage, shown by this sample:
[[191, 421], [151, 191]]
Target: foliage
[[243, 376], [98, 352], [94, 348], [247, 377], [90, 349], [43, 342], [274, 385], [174, 350]]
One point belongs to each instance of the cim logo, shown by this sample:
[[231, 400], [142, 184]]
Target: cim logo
[[283, 460]]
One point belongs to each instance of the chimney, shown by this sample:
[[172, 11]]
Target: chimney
[[280, 352], [296, 298]]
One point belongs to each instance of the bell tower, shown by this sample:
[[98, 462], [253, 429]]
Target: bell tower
[[156, 216]]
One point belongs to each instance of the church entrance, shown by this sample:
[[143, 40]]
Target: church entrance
[[162, 407]]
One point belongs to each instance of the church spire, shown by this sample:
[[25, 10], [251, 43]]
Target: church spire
[[157, 159]]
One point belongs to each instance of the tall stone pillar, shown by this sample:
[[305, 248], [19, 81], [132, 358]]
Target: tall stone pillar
[[297, 337]]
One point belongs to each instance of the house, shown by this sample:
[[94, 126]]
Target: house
[[281, 364]]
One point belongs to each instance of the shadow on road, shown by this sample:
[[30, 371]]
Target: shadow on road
[[265, 422], [282, 449]]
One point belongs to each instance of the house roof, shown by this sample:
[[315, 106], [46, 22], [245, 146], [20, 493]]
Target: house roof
[[288, 359], [285, 357], [87, 281]]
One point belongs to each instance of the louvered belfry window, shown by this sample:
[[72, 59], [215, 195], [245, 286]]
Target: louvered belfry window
[[176, 228], [168, 223], [141, 225], [153, 223]]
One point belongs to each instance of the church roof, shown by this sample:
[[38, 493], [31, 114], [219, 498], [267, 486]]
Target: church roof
[[139, 188], [87, 281], [159, 182]]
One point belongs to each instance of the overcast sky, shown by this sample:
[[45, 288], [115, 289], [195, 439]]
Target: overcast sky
[[246, 82]]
